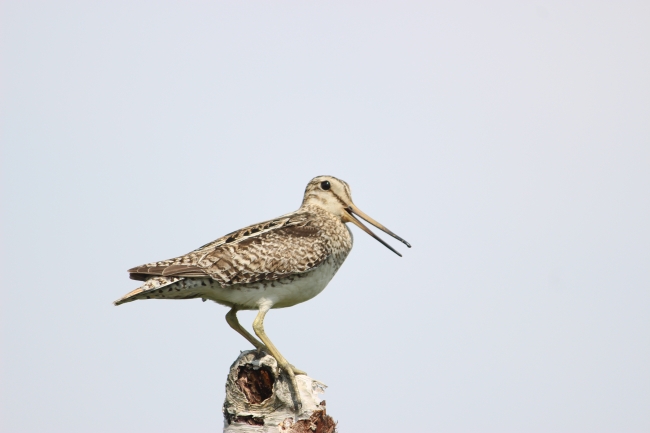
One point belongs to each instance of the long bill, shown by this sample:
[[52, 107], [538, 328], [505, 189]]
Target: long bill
[[352, 210]]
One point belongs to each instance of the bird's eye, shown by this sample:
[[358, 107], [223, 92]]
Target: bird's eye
[[325, 185]]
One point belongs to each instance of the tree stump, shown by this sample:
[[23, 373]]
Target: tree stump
[[258, 399]]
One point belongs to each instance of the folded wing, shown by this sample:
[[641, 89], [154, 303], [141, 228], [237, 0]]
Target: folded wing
[[262, 252]]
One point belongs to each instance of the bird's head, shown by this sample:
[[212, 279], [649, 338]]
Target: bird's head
[[334, 196]]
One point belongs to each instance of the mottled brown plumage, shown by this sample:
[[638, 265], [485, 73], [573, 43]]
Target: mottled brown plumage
[[266, 251], [274, 264]]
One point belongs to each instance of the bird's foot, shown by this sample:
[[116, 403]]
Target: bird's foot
[[297, 370], [291, 371], [296, 390], [293, 383], [293, 368]]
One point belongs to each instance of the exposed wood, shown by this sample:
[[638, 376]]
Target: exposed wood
[[258, 399]]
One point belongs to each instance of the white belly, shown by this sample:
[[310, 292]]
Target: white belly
[[281, 293]]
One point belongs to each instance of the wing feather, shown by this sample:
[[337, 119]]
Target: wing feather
[[266, 251]]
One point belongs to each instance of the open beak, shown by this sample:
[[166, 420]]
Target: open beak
[[352, 210]]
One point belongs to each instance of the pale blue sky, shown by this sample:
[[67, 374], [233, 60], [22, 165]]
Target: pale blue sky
[[508, 142]]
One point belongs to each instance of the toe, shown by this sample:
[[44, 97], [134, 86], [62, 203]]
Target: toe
[[297, 370]]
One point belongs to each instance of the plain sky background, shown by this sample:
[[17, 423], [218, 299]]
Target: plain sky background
[[509, 142]]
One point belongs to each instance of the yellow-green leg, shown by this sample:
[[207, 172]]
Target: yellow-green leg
[[258, 327], [232, 320]]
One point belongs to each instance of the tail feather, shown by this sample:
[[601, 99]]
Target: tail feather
[[167, 288]]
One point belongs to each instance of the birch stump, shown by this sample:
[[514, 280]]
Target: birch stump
[[258, 399]]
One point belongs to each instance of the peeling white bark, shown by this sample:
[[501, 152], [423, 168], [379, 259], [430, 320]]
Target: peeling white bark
[[258, 398]]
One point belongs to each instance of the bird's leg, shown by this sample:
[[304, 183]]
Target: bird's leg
[[232, 320], [258, 327]]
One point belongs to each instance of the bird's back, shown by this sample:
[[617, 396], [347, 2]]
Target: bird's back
[[278, 251]]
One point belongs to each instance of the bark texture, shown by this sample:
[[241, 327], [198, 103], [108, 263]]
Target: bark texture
[[258, 399]]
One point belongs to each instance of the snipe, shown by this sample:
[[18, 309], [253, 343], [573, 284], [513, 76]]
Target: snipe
[[274, 264]]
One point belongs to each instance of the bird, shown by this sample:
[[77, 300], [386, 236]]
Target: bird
[[273, 264]]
